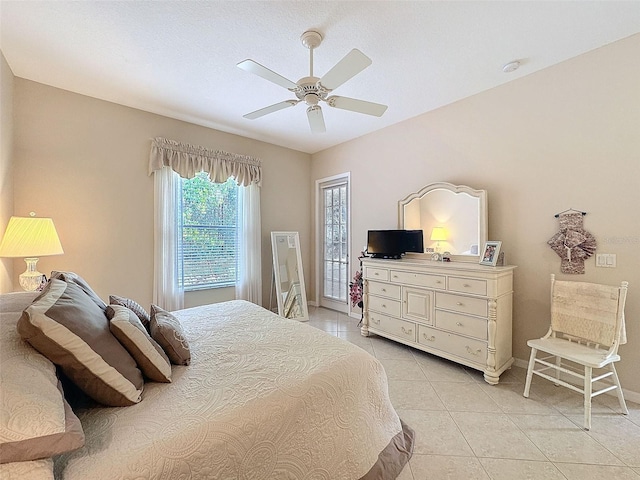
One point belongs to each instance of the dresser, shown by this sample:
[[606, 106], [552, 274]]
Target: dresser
[[456, 310]]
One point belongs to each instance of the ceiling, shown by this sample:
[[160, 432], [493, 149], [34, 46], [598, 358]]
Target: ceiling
[[178, 58]]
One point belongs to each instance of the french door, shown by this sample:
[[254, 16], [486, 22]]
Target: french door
[[333, 242]]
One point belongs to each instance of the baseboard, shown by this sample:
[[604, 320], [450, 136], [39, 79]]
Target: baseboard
[[628, 394], [312, 304]]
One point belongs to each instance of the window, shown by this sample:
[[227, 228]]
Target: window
[[208, 221]]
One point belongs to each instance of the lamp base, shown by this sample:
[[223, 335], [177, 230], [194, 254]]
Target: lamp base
[[31, 279]]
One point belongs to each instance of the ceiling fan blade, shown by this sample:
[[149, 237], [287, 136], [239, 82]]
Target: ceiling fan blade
[[264, 72], [270, 109], [353, 63], [355, 105], [316, 119]]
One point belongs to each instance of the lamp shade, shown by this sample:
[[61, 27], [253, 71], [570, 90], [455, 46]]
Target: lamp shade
[[438, 234], [30, 237]]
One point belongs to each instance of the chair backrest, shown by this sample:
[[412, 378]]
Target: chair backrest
[[589, 311]]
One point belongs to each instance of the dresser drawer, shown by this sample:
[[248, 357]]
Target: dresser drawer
[[384, 305], [373, 273], [418, 279], [393, 326], [463, 324], [458, 303], [467, 348], [384, 290], [468, 285]]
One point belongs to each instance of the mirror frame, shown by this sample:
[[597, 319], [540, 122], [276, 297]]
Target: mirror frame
[[276, 275], [481, 195]]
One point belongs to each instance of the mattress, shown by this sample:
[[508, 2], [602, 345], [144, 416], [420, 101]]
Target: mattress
[[264, 398]]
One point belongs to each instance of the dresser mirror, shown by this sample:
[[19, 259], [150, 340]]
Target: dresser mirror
[[453, 219], [288, 276]]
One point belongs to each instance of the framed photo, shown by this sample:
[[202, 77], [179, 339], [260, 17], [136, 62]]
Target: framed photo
[[490, 253]]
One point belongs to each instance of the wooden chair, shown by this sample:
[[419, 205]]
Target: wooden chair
[[587, 327]]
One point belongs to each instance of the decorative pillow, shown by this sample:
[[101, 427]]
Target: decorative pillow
[[67, 326], [36, 421], [167, 331], [71, 277], [127, 328], [132, 305]]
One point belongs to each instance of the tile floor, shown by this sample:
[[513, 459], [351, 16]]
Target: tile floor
[[467, 429]]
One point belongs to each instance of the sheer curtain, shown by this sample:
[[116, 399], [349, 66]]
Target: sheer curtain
[[170, 160], [249, 273], [167, 293]]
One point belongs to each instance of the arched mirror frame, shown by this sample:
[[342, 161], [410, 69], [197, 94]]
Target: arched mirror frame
[[483, 223], [293, 241]]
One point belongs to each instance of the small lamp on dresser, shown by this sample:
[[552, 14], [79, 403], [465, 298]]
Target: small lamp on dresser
[[30, 237], [438, 234]]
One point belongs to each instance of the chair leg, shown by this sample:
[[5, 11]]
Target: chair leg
[[588, 371], [558, 365], [532, 361], [623, 404]]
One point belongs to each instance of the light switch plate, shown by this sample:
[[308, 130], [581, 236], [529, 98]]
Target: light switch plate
[[606, 260]]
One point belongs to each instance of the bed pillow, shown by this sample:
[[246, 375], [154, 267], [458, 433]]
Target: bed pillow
[[71, 277], [67, 326], [167, 331], [36, 421], [132, 305], [127, 328]]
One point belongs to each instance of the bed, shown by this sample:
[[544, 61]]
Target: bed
[[263, 397]]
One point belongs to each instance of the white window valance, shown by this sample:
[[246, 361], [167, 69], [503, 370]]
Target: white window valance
[[187, 160]]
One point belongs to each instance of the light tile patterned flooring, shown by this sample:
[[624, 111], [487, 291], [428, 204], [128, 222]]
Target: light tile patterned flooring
[[467, 429]]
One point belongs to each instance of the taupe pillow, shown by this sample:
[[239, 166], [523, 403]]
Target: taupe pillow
[[71, 277], [127, 328], [132, 305], [167, 331], [67, 326]]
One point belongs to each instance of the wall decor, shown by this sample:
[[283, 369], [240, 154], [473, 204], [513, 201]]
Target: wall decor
[[490, 253], [572, 243]]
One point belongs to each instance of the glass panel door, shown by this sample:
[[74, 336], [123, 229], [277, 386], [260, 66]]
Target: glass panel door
[[335, 253]]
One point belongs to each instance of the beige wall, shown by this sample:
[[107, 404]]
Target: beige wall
[[83, 162], [567, 136], [6, 165]]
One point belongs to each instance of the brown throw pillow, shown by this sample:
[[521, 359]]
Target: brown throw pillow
[[132, 305], [67, 326], [167, 331], [127, 328], [71, 277]]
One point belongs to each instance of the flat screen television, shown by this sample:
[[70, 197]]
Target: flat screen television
[[394, 243]]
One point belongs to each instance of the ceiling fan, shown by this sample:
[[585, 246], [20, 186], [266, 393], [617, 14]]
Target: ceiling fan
[[312, 90]]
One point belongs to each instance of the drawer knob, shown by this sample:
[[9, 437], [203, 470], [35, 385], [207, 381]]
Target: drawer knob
[[384, 289], [429, 338], [395, 276], [376, 321], [470, 351], [459, 304], [384, 305], [458, 324], [438, 281], [406, 332], [376, 274], [466, 285]]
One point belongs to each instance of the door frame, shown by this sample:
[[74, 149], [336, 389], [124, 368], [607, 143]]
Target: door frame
[[346, 176]]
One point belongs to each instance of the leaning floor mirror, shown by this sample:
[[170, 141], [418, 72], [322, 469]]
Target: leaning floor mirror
[[288, 276]]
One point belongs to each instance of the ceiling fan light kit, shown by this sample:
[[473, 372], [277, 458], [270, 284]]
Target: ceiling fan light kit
[[312, 90]]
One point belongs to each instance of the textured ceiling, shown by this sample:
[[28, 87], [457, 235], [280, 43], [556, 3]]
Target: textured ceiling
[[178, 58]]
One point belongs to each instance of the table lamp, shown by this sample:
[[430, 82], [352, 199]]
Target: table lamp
[[438, 234], [30, 237]]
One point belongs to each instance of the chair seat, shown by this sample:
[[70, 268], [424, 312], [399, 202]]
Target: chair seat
[[575, 352]]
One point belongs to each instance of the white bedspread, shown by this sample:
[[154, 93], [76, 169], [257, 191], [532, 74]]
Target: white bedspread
[[263, 398]]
